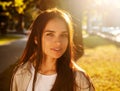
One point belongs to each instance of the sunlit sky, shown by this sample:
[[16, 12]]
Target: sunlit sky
[[109, 3]]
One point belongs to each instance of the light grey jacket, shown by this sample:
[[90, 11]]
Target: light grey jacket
[[23, 76]]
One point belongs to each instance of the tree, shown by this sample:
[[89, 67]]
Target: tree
[[16, 10], [3, 20], [20, 7]]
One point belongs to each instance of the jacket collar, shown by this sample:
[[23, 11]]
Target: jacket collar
[[23, 68]]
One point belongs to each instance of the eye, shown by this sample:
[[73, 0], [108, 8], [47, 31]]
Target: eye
[[64, 35], [49, 34]]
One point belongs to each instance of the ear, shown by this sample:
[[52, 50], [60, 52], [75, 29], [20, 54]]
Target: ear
[[35, 40]]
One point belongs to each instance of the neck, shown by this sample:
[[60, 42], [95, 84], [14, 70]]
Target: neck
[[48, 66]]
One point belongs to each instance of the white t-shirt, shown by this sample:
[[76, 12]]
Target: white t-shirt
[[43, 82]]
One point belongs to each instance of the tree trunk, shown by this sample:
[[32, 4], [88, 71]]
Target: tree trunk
[[3, 25], [20, 25]]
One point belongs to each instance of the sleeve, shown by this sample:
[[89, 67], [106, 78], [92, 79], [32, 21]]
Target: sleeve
[[13, 84], [83, 82]]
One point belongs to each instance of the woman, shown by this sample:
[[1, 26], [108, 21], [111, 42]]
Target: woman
[[46, 64]]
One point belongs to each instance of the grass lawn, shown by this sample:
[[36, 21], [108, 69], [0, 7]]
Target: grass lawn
[[8, 38], [102, 63]]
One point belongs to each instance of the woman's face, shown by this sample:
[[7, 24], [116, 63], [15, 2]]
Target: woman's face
[[55, 38]]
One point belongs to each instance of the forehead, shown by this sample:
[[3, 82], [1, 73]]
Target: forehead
[[56, 24]]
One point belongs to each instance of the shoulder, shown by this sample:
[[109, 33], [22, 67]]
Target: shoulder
[[22, 73], [23, 68], [82, 79]]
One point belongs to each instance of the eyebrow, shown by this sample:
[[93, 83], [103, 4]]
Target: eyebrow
[[54, 31]]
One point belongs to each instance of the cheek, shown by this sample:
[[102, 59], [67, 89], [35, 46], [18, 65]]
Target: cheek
[[65, 43], [45, 44]]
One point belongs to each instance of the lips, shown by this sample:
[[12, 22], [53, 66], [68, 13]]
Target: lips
[[56, 49]]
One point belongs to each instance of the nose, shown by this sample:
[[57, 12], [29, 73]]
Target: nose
[[58, 41]]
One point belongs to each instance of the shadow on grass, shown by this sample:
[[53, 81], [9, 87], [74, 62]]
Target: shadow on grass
[[7, 38], [8, 53], [5, 78], [93, 41]]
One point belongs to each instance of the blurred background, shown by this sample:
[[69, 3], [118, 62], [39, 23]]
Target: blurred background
[[97, 36]]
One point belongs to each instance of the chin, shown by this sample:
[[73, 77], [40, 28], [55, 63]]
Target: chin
[[57, 56]]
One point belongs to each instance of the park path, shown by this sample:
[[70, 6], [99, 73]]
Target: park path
[[9, 53]]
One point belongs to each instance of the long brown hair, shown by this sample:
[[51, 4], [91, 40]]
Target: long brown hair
[[65, 79]]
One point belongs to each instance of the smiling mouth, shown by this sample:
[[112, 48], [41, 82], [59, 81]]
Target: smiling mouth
[[56, 49]]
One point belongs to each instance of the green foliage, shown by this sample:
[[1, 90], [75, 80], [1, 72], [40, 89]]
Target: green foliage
[[101, 61], [5, 4], [94, 41], [20, 6], [18, 12]]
